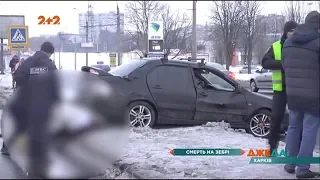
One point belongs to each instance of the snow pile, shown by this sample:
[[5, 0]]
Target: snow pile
[[147, 154]]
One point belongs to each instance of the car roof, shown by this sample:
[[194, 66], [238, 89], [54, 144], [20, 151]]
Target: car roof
[[191, 64], [185, 63], [176, 62]]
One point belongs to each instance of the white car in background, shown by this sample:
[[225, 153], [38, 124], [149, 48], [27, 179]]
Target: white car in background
[[261, 79], [244, 69]]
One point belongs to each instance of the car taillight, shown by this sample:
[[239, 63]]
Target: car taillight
[[232, 75]]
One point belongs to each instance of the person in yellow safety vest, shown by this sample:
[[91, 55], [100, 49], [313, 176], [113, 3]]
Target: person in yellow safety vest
[[272, 61]]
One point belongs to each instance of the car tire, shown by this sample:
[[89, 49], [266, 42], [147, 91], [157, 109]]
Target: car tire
[[141, 114], [253, 86], [264, 118]]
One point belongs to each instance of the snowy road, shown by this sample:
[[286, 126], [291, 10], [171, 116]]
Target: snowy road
[[147, 154]]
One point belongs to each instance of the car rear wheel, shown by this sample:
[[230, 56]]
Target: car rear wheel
[[259, 124], [253, 86], [141, 114]]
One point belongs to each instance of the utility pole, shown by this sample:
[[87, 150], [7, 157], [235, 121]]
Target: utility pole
[[75, 53], [118, 36], [87, 34], [194, 31]]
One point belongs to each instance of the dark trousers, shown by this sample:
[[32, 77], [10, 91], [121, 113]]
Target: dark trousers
[[279, 103]]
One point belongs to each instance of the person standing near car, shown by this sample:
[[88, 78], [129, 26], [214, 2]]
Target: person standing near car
[[12, 65], [37, 64], [301, 53], [272, 61]]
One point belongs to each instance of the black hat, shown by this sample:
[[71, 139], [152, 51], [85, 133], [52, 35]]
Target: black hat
[[313, 19], [289, 26], [47, 47]]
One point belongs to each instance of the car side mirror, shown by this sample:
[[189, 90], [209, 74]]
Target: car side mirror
[[238, 89], [258, 71]]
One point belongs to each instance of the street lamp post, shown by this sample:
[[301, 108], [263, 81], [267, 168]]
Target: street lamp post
[[87, 32]]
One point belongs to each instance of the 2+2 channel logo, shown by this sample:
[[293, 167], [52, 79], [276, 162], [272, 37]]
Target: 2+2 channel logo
[[55, 20]]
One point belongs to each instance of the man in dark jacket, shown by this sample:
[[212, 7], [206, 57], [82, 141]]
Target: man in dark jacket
[[301, 65], [37, 64], [272, 60], [12, 65]]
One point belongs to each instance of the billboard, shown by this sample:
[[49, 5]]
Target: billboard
[[9, 20]]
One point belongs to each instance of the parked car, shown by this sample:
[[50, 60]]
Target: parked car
[[182, 92], [244, 69], [222, 69], [261, 79]]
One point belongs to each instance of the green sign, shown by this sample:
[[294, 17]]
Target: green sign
[[113, 59], [285, 160], [207, 152]]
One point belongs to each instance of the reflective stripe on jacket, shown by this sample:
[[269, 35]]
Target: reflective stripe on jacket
[[277, 74]]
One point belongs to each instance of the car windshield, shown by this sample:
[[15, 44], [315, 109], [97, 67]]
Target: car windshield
[[217, 66], [126, 69]]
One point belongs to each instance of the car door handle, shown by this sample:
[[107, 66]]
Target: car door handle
[[203, 94], [157, 87]]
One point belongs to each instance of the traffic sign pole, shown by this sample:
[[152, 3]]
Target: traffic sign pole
[[19, 53]]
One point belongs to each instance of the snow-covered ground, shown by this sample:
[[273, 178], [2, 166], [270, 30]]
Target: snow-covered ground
[[147, 154], [5, 90]]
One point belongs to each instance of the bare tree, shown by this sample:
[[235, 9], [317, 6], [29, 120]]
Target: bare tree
[[216, 37], [228, 16], [295, 11], [262, 41], [176, 29], [139, 13], [250, 29]]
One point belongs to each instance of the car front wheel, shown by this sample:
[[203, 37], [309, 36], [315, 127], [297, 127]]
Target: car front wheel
[[141, 114], [259, 123]]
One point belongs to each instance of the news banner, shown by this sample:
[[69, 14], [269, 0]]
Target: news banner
[[257, 156]]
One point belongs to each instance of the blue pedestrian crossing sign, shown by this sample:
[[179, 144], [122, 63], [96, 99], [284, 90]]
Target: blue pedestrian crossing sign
[[18, 36]]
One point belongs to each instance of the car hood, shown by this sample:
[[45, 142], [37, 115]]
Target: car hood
[[258, 100]]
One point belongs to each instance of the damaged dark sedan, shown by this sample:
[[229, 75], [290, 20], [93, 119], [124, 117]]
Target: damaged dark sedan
[[162, 91]]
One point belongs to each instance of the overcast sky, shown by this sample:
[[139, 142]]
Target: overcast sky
[[69, 16]]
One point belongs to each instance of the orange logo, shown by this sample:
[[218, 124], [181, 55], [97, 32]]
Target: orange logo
[[55, 20], [259, 152]]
